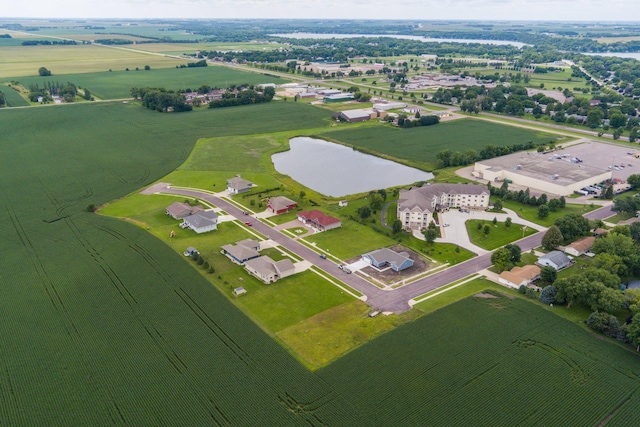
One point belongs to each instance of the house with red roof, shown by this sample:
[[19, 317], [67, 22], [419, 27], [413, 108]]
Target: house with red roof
[[319, 220], [280, 204]]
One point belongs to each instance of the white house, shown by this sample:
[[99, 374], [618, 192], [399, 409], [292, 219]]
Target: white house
[[238, 185], [555, 259], [201, 222], [580, 246], [519, 276]]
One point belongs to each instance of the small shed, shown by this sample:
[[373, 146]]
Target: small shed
[[191, 251], [239, 291]]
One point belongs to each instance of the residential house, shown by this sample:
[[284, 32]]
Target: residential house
[[268, 270], [555, 259], [519, 276], [343, 203], [238, 185], [417, 205], [280, 205], [201, 222], [180, 210], [319, 220], [580, 246], [380, 258], [242, 251]]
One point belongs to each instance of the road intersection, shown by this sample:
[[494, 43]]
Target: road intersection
[[393, 300]]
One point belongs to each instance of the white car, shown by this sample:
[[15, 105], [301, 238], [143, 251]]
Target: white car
[[446, 224]]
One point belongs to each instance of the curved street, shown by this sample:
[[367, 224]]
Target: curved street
[[395, 300]]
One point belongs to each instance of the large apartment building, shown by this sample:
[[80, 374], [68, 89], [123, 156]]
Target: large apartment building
[[417, 205]]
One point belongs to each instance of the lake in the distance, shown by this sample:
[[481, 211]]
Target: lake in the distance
[[322, 36], [634, 55], [335, 170]]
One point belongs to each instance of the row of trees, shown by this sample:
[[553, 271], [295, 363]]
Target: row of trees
[[243, 97], [447, 157], [405, 122], [160, 99]]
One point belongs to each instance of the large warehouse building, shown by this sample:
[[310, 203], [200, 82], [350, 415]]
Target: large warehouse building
[[548, 174]]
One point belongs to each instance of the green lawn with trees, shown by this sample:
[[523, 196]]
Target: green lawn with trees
[[490, 236]]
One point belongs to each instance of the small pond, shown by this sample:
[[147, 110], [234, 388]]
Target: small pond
[[335, 170]]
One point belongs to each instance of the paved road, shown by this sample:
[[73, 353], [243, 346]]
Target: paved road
[[602, 213], [394, 300], [398, 299], [352, 280]]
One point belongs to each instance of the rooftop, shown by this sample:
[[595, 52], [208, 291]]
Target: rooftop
[[538, 166]]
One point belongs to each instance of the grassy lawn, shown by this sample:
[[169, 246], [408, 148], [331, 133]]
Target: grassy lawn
[[325, 337], [421, 145], [448, 175], [498, 236], [530, 213], [457, 293], [623, 216], [350, 240], [291, 300], [581, 262], [391, 213]]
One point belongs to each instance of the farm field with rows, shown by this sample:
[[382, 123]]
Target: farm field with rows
[[421, 145], [117, 84], [103, 323], [514, 364]]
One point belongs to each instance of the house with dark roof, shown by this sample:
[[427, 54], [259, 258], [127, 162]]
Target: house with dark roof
[[238, 185], [319, 220], [555, 259], [180, 210], [268, 270], [242, 251], [280, 204], [417, 205], [201, 222], [381, 258]]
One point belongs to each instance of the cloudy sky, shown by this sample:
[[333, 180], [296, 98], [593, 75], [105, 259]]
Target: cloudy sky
[[581, 10]]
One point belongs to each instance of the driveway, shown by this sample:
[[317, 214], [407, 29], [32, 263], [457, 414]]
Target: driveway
[[456, 232]]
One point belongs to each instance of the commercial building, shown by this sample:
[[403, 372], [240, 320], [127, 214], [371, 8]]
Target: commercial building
[[542, 172]]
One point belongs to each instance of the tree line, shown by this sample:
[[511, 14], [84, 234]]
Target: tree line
[[161, 99], [243, 97], [446, 158]]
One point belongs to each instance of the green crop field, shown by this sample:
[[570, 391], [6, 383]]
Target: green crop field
[[103, 323], [513, 349], [117, 84], [18, 61], [12, 97], [422, 144]]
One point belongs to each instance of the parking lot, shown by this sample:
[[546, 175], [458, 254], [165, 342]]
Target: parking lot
[[604, 157]]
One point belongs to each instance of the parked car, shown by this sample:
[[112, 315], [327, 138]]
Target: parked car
[[446, 224], [323, 256], [247, 223], [346, 270], [341, 266]]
